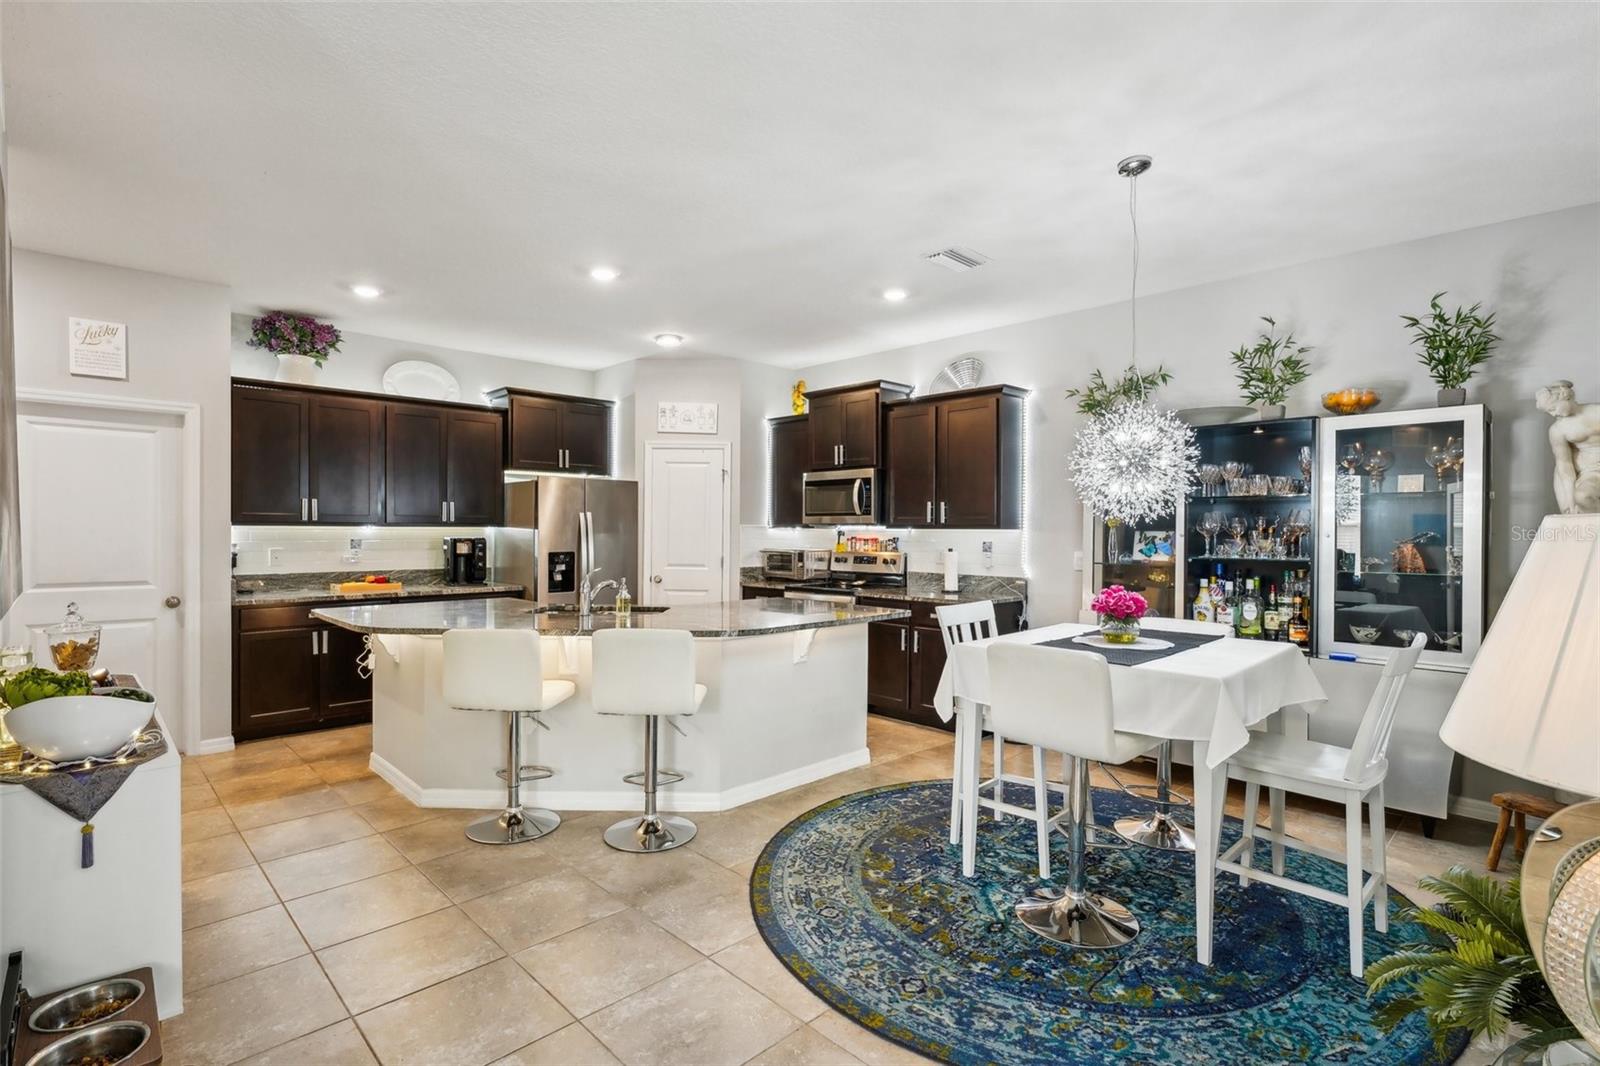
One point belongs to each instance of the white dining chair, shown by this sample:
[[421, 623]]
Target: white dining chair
[[1061, 700], [1352, 776], [1161, 828], [960, 623]]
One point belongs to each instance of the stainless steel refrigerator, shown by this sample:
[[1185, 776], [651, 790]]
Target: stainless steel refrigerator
[[559, 528]]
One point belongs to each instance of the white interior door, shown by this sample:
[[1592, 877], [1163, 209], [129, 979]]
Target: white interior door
[[685, 546], [101, 508]]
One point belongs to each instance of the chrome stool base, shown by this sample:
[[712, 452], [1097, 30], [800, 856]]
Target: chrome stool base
[[653, 832], [1081, 920], [1157, 830], [514, 826]]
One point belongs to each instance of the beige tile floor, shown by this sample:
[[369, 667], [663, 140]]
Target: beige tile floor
[[327, 920]]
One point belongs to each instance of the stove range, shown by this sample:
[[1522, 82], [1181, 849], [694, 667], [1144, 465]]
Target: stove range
[[853, 572]]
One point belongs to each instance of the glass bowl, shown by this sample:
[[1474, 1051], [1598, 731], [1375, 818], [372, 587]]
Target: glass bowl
[[1350, 401]]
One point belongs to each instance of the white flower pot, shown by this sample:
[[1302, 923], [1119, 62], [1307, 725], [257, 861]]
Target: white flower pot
[[297, 369]]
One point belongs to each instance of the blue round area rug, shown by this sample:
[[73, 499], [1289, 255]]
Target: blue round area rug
[[863, 900]]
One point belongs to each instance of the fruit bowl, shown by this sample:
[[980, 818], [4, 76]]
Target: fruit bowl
[[1350, 401], [64, 728], [1366, 634]]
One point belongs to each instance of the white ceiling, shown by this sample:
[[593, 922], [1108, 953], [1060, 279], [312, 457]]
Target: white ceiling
[[760, 172]]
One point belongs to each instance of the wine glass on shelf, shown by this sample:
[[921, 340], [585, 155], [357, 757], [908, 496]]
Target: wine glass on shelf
[[1210, 475], [1377, 464], [1456, 449], [1210, 525], [1236, 528], [1296, 526], [1353, 458], [1305, 465], [1440, 460]]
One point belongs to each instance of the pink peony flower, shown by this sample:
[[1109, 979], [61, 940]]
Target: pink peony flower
[[1114, 601]]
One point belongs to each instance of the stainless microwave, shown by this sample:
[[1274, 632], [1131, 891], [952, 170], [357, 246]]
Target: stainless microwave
[[841, 497]]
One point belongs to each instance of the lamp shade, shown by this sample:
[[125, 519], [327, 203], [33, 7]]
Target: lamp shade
[[1530, 704]]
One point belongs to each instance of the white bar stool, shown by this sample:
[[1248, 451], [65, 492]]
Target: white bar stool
[[960, 623], [647, 672], [503, 670], [1161, 828], [1061, 700]]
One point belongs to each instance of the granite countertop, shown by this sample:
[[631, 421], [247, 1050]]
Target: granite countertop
[[738, 618], [920, 587], [282, 589]]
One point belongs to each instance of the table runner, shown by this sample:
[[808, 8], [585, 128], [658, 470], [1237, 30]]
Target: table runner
[[1181, 642]]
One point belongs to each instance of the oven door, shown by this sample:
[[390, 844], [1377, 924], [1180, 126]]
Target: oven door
[[845, 497]]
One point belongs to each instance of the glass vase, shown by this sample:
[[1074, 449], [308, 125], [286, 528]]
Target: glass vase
[[1119, 630]]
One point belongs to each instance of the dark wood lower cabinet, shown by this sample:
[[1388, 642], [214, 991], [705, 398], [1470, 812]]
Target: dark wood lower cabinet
[[292, 672], [905, 660]]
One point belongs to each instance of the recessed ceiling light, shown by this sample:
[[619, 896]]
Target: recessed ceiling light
[[668, 340], [604, 273], [367, 292], [894, 296]]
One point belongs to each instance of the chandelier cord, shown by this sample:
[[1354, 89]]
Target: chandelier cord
[[1133, 288]]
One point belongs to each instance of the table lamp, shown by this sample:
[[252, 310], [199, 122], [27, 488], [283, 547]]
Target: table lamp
[[1530, 706]]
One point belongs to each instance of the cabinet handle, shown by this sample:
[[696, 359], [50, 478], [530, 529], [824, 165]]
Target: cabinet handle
[[313, 642], [444, 511], [902, 640], [324, 642], [944, 513], [304, 508], [452, 510], [916, 642], [313, 508], [930, 512]]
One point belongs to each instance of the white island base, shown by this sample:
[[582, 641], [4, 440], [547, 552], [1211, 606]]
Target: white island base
[[781, 710]]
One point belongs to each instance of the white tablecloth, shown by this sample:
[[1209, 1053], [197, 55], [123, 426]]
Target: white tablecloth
[[1212, 693]]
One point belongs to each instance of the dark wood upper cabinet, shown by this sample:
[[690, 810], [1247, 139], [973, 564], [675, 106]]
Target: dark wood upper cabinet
[[844, 423], [545, 431], [414, 441], [586, 434], [910, 432], [790, 442], [474, 469], [270, 472], [346, 456], [961, 453]]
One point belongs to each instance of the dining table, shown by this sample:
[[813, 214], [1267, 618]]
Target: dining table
[[1211, 691]]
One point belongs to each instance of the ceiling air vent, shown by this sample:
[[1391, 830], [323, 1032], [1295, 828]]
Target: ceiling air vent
[[959, 260]]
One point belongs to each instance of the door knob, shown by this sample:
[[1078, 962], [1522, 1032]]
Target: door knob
[[656, 579], [173, 601]]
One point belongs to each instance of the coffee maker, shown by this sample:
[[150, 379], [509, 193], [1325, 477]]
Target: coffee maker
[[466, 560]]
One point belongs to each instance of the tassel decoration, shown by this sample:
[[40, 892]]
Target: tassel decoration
[[88, 845]]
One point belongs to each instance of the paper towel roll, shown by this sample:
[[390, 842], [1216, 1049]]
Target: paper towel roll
[[952, 574]]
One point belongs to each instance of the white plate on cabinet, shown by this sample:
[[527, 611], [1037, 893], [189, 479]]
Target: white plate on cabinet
[[421, 380]]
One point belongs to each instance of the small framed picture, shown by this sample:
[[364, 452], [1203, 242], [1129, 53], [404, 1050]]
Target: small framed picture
[[1411, 482], [1153, 545]]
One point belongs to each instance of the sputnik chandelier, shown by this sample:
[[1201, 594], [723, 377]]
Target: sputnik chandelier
[[1135, 461]]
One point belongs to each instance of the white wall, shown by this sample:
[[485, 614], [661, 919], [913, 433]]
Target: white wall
[[361, 360], [1541, 274], [177, 353]]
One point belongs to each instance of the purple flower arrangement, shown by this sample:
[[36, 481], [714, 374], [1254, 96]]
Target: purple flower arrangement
[[1116, 602], [282, 333]]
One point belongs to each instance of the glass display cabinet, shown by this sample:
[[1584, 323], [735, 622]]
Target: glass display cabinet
[[1142, 558], [1252, 522], [1403, 543]]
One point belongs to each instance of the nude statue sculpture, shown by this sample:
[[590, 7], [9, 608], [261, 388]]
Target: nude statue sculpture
[[1575, 440]]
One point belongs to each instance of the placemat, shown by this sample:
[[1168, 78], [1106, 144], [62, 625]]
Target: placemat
[[1181, 642]]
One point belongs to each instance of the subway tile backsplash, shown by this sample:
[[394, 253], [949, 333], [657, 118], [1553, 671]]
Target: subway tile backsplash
[[925, 547], [323, 549]]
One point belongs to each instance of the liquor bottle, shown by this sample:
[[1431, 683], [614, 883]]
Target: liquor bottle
[[1230, 606], [1249, 624], [1272, 616], [1201, 610], [1218, 596], [1300, 625]]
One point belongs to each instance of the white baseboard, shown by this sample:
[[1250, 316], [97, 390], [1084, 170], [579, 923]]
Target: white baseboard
[[212, 746], [671, 798]]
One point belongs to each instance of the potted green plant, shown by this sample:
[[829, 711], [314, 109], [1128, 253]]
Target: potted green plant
[[1269, 368], [1100, 395], [1453, 345], [1478, 974], [300, 342]]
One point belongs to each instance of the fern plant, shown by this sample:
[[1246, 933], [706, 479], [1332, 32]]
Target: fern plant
[[1270, 367], [1453, 344], [1100, 395], [1479, 974]]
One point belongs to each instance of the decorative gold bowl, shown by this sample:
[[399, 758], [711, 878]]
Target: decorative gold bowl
[[1350, 401]]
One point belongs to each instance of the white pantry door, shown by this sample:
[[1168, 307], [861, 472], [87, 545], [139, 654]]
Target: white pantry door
[[102, 508], [686, 509]]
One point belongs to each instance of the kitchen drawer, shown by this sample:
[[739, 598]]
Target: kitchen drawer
[[921, 613], [288, 616]]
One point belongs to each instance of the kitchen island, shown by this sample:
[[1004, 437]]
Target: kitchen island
[[786, 704]]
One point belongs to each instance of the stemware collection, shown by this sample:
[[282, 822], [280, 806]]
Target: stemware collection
[[1235, 479], [1259, 536]]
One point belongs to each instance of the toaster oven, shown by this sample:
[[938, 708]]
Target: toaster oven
[[794, 563]]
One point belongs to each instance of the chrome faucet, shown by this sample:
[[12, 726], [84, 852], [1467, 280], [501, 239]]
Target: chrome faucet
[[587, 592]]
